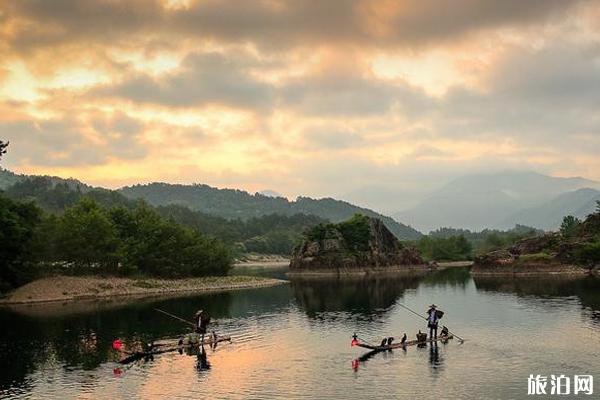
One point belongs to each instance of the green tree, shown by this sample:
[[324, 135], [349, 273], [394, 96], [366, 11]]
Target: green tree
[[156, 246], [569, 226], [87, 237], [356, 232], [589, 254], [463, 248], [18, 222], [3, 147], [453, 248]]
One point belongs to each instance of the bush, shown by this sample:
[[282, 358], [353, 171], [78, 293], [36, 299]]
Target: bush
[[454, 248], [356, 232], [321, 232], [18, 224], [535, 257], [589, 254], [569, 227]]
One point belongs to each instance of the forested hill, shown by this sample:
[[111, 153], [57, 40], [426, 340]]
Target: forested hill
[[233, 204], [9, 178]]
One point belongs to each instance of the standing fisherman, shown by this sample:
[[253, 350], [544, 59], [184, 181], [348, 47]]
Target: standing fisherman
[[432, 321], [202, 320]]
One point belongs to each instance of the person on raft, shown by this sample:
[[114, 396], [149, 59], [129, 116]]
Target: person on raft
[[432, 321], [202, 320]]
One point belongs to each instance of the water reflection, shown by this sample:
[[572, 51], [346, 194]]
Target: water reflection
[[291, 337], [586, 289], [367, 295], [202, 364], [83, 340], [450, 277], [435, 360]]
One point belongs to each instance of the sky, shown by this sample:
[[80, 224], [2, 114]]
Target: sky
[[320, 98]]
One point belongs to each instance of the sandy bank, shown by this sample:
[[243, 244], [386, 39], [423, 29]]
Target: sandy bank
[[261, 264], [70, 288]]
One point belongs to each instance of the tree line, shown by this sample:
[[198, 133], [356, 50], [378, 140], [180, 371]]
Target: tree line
[[90, 239], [237, 204], [452, 244], [267, 234], [579, 241]]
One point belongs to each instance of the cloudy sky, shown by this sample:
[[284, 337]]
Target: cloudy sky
[[303, 97]]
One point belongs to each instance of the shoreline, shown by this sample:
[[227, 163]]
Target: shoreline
[[393, 270], [399, 270], [533, 273], [261, 264], [93, 288], [529, 268]]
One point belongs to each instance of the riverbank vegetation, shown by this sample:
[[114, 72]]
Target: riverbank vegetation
[[450, 244], [574, 248], [60, 226], [91, 239], [579, 241]]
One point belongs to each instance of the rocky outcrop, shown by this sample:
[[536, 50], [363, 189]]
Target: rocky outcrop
[[362, 243], [576, 249], [536, 244], [496, 258], [540, 254]]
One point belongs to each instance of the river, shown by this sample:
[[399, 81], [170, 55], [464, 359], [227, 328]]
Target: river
[[293, 341]]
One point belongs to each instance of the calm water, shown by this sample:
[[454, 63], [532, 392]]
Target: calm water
[[293, 341]]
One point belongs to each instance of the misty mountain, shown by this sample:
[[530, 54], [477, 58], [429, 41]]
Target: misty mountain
[[383, 199], [233, 204], [488, 200], [548, 216]]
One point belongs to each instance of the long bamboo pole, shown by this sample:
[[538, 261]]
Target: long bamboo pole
[[175, 316], [425, 318]]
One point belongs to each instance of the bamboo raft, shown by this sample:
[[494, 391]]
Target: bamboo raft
[[168, 348], [399, 345]]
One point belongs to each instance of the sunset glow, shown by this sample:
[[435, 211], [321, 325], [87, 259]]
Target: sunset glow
[[281, 95]]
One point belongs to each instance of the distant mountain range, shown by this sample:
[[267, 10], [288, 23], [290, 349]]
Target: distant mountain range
[[501, 200], [232, 203], [475, 202], [548, 216]]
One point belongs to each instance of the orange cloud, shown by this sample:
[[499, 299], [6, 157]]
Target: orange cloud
[[286, 94]]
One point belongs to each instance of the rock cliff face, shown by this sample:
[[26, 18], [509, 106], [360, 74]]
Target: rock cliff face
[[542, 254], [361, 243]]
